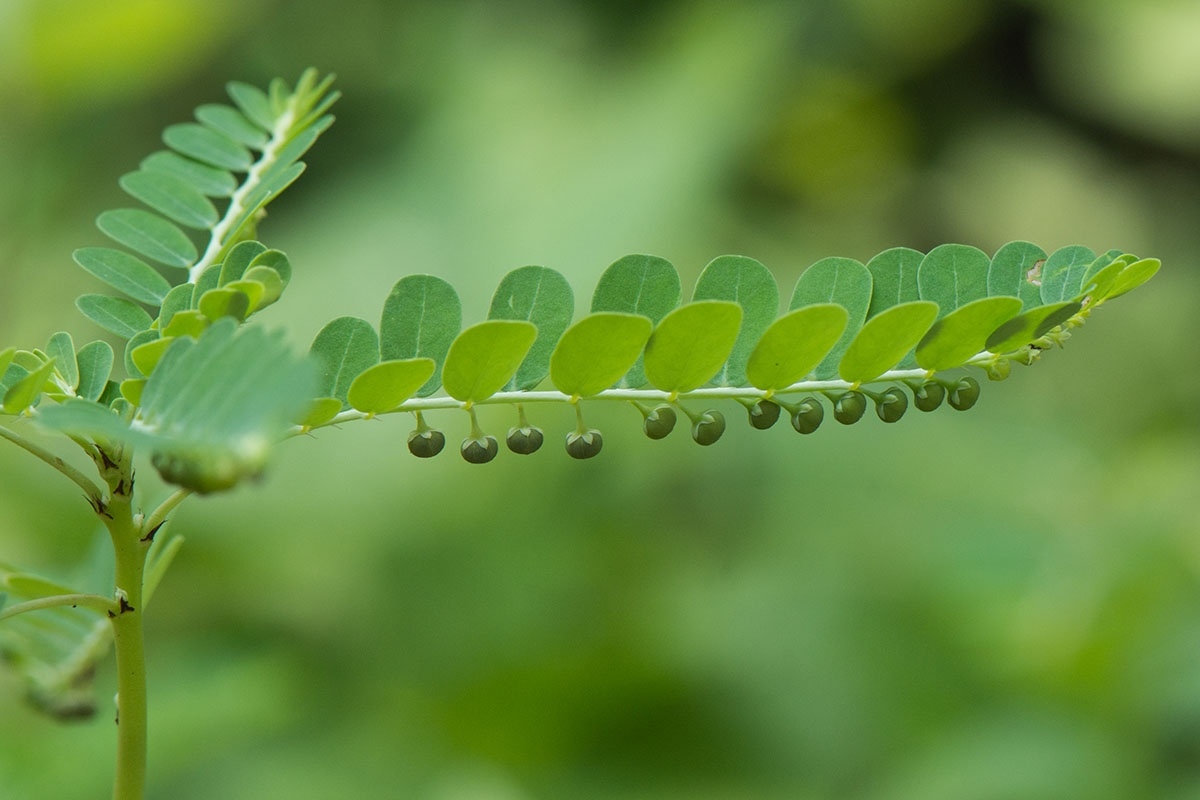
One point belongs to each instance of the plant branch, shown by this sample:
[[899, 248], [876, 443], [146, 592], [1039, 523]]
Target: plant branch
[[82, 481], [93, 601]]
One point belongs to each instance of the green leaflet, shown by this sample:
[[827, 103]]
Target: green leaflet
[[190, 322], [638, 284], [541, 296], [238, 260], [61, 348], [385, 385], [1133, 276], [173, 197], [320, 411], [484, 356], [232, 124], [277, 261], [1016, 271], [595, 352], [836, 280], [95, 365], [206, 180], [207, 146], [1031, 325], [26, 391], [691, 343], [178, 299], [343, 349], [964, 332], [795, 344], [217, 303], [147, 354], [125, 273], [893, 278], [752, 286], [150, 235], [953, 275], [253, 102], [6, 358], [114, 314], [137, 340], [1062, 274], [208, 280], [421, 317], [885, 339]]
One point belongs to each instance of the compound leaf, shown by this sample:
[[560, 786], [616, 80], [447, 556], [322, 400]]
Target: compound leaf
[[964, 332], [595, 352], [114, 314], [171, 196], [795, 344], [885, 339], [953, 275], [542, 296], [343, 350], [638, 284], [95, 365], [836, 280], [484, 356], [1016, 271], [150, 235], [125, 273], [421, 317], [385, 385], [748, 283], [1062, 274], [691, 343], [1031, 325]]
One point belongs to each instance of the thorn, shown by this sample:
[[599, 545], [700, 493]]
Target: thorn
[[149, 537]]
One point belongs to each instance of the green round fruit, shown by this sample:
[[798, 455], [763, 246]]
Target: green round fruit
[[850, 407], [808, 415], [480, 450], [709, 427], [964, 394], [928, 396], [584, 445], [524, 440], [659, 422], [763, 414], [426, 443], [891, 405]]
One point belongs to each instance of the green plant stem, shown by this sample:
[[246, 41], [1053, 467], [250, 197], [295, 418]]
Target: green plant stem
[[88, 600], [82, 481]]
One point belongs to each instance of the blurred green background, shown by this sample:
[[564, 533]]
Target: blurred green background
[[998, 605]]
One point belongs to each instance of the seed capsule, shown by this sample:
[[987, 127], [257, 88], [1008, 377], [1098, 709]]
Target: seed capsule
[[480, 450], [659, 422], [964, 394], [763, 414], [929, 395], [524, 440], [808, 415], [426, 443], [584, 445], [891, 405], [849, 408], [999, 370], [709, 427]]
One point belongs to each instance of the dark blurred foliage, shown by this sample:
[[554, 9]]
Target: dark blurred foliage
[[982, 606]]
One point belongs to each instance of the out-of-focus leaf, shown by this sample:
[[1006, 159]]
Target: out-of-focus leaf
[[232, 124], [795, 344], [421, 317], [691, 343], [638, 284], [964, 332], [207, 146], [953, 275], [114, 314], [206, 180], [320, 411], [752, 286], [1016, 271], [253, 102], [385, 385], [836, 280], [595, 352], [95, 365], [542, 296], [885, 339], [484, 356], [174, 197], [893, 278], [61, 348], [125, 273], [344, 349], [26, 391], [149, 234], [1062, 274]]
